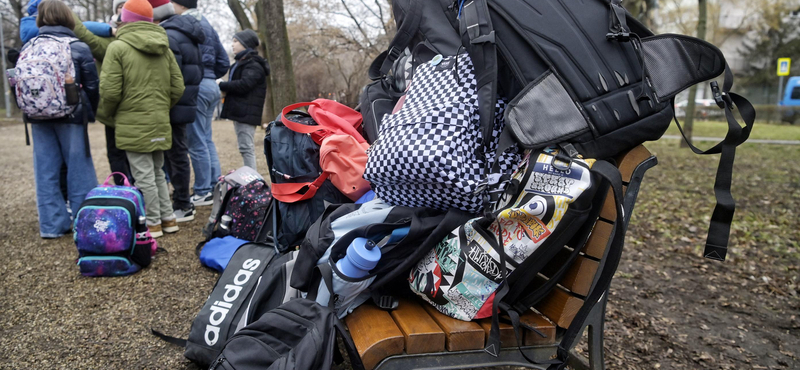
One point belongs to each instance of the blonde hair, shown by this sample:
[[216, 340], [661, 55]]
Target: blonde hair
[[55, 13]]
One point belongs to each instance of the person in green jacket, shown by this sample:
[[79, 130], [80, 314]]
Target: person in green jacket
[[139, 83]]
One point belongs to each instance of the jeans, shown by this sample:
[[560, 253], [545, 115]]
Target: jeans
[[150, 180], [54, 145], [201, 148], [247, 147], [116, 158], [179, 168]]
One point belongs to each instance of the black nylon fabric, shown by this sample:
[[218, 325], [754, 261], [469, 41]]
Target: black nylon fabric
[[298, 335], [216, 321], [676, 62], [425, 231], [294, 157]]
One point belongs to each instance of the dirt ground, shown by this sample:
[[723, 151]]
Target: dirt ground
[[668, 307]]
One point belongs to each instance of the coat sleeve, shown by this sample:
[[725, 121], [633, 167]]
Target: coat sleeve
[[97, 44], [221, 64], [28, 29], [251, 76], [111, 80], [175, 79], [88, 72]]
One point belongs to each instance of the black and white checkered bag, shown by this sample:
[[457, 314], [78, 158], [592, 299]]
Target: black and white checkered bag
[[428, 153]]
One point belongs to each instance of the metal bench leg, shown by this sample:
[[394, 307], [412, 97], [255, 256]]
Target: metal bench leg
[[596, 324]]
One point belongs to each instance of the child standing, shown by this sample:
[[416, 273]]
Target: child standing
[[139, 84], [63, 140], [245, 92]]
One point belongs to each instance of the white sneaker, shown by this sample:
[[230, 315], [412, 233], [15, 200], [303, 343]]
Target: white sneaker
[[185, 215], [202, 200]]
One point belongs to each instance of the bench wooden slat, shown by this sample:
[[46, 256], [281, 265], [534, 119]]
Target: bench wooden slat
[[542, 324], [598, 240], [507, 337], [560, 306], [609, 211], [422, 334], [460, 335], [578, 278], [375, 334], [630, 160]]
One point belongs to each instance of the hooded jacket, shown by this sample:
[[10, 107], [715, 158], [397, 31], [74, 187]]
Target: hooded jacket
[[85, 76], [215, 58], [185, 33], [246, 89], [139, 84]]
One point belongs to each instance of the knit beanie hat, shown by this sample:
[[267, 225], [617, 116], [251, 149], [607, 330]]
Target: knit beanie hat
[[161, 9], [248, 38], [191, 4], [136, 10], [116, 4]]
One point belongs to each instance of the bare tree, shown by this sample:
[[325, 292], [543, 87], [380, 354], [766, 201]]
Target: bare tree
[[688, 124]]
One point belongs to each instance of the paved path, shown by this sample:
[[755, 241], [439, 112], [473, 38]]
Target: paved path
[[718, 139]]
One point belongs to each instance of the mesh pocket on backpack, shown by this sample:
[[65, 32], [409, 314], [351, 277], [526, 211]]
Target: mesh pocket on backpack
[[544, 113]]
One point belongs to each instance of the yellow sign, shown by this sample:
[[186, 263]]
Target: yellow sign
[[784, 64]]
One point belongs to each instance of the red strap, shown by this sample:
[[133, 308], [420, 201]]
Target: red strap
[[329, 115], [289, 192]]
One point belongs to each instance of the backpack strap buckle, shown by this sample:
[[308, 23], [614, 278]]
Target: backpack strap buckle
[[722, 99]]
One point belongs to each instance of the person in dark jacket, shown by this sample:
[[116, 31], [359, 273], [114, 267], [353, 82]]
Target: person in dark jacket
[[245, 93], [185, 34], [64, 140], [203, 152]]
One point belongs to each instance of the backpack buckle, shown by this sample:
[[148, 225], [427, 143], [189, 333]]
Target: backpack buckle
[[722, 99], [618, 36]]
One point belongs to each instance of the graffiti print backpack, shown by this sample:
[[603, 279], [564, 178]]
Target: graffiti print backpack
[[110, 231], [41, 73]]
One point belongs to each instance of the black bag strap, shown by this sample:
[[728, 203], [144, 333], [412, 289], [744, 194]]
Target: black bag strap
[[720, 227], [614, 254], [478, 36], [349, 345], [402, 39], [169, 339]]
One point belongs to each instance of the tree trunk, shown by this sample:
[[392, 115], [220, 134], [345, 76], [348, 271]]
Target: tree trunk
[[688, 124], [238, 12], [280, 88]]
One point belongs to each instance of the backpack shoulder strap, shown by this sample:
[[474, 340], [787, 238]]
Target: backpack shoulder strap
[[402, 39], [720, 227]]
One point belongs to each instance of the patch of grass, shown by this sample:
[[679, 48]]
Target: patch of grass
[[760, 130], [677, 199]]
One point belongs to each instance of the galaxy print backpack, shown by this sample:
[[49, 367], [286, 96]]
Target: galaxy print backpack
[[110, 231]]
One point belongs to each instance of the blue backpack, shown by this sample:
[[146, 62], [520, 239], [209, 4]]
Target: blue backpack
[[110, 231]]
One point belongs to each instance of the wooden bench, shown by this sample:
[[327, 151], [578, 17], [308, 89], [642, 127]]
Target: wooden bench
[[416, 336]]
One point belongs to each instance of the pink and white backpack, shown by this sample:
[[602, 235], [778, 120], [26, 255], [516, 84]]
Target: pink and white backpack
[[41, 71]]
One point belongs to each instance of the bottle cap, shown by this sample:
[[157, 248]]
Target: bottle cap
[[363, 254]]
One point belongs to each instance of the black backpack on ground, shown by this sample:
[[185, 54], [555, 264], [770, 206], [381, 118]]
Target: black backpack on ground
[[227, 305], [298, 335], [294, 157]]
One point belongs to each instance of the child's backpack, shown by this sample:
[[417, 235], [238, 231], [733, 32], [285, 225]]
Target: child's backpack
[[242, 176], [41, 74], [298, 335], [294, 158], [246, 212], [110, 231]]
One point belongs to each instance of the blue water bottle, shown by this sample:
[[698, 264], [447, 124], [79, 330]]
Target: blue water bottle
[[361, 257]]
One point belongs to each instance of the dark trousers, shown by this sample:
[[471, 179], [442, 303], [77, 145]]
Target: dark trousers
[[117, 159], [176, 162]]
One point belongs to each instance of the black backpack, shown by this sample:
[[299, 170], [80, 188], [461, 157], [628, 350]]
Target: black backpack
[[294, 157], [298, 335], [588, 66]]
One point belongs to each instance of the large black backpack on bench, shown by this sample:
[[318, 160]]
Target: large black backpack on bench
[[585, 73]]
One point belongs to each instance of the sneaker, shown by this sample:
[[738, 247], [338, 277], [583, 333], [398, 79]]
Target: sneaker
[[185, 215], [202, 200], [155, 231], [170, 225]]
